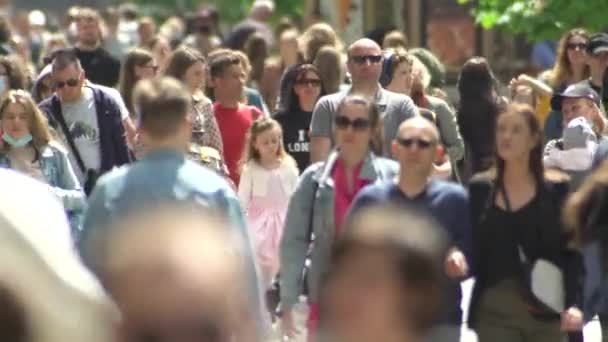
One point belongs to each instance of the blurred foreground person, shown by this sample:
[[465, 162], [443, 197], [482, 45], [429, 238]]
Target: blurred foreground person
[[385, 280], [46, 294], [164, 175], [177, 279]]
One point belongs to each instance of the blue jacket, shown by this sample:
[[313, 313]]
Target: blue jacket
[[165, 176], [59, 174], [303, 203], [112, 140]]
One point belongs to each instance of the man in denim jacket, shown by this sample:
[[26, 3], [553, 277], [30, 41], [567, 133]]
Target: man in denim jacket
[[165, 176]]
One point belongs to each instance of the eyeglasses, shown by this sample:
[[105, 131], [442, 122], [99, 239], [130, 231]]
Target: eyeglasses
[[420, 143], [72, 82], [576, 46], [342, 122], [373, 59], [313, 82]]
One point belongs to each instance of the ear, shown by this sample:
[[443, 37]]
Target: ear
[[439, 153], [394, 148]]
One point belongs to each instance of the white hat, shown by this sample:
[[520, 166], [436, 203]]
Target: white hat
[[62, 301], [37, 18]]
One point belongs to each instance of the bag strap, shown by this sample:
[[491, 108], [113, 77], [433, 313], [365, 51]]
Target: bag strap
[[68, 136], [315, 187]]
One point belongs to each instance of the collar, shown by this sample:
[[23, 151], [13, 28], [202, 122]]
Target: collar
[[380, 98], [164, 153], [368, 169]]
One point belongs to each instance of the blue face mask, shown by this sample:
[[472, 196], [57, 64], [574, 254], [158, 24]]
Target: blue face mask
[[17, 142]]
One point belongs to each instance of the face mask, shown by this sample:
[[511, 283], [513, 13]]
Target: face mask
[[17, 142]]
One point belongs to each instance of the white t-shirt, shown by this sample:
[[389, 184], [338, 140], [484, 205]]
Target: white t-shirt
[[81, 119]]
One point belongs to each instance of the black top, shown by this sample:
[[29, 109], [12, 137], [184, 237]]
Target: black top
[[536, 227], [99, 66], [502, 231], [296, 139]]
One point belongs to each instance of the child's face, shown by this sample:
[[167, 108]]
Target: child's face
[[232, 82], [267, 144]]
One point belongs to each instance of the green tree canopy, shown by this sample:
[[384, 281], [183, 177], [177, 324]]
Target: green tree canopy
[[540, 19]]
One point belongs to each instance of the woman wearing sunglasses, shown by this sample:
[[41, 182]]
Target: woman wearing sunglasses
[[301, 88], [27, 147], [321, 199], [515, 212], [570, 67]]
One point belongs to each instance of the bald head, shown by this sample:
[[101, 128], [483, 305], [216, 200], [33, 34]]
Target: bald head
[[421, 124], [363, 44]]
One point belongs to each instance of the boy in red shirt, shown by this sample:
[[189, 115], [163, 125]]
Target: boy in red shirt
[[233, 117]]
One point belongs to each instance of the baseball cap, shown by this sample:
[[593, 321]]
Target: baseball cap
[[598, 43], [575, 91]]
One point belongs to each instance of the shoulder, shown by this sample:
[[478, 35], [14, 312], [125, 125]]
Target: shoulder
[[47, 104], [453, 191], [377, 190], [334, 98], [438, 104], [396, 98], [482, 180], [200, 179], [311, 171], [56, 147], [386, 164]]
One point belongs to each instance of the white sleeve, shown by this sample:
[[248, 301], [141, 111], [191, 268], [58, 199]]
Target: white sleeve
[[574, 159], [245, 187]]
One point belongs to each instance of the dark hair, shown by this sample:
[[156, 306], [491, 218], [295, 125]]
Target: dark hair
[[63, 58], [221, 61], [479, 106], [128, 79], [394, 39], [5, 30], [417, 249], [288, 99], [15, 73], [180, 60], [257, 52], [376, 142], [161, 104], [14, 326]]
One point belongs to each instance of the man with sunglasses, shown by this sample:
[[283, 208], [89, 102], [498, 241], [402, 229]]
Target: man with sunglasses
[[365, 66], [87, 117], [416, 147], [597, 59]]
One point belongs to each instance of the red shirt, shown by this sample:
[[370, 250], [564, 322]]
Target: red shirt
[[234, 124], [343, 196]]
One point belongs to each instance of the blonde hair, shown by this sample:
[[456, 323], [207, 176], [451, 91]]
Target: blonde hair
[[259, 126], [37, 122], [317, 36]]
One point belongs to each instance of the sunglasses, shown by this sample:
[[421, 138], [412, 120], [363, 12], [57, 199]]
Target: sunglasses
[[373, 59], [72, 82], [576, 46], [342, 122], [309, 82], [420, 143]]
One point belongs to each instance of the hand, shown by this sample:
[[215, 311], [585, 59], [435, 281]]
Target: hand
[[288, 325], [572, 320], [456, 265]]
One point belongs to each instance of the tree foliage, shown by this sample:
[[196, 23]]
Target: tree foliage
[[231, 11], [540, 19]]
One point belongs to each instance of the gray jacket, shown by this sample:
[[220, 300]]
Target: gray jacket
[[295, 244]]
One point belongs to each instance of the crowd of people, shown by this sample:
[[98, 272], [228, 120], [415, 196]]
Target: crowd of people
[[170, 182]]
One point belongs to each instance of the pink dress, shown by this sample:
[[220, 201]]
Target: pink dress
[[266, 215]]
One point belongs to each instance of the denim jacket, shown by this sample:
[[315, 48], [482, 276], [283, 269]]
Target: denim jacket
[[305, 206], [59, 175]]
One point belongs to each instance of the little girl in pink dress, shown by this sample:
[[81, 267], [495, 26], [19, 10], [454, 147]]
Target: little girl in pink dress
[[268, 179]]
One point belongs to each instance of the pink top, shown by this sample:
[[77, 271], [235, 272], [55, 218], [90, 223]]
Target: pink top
[[343, 196]]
